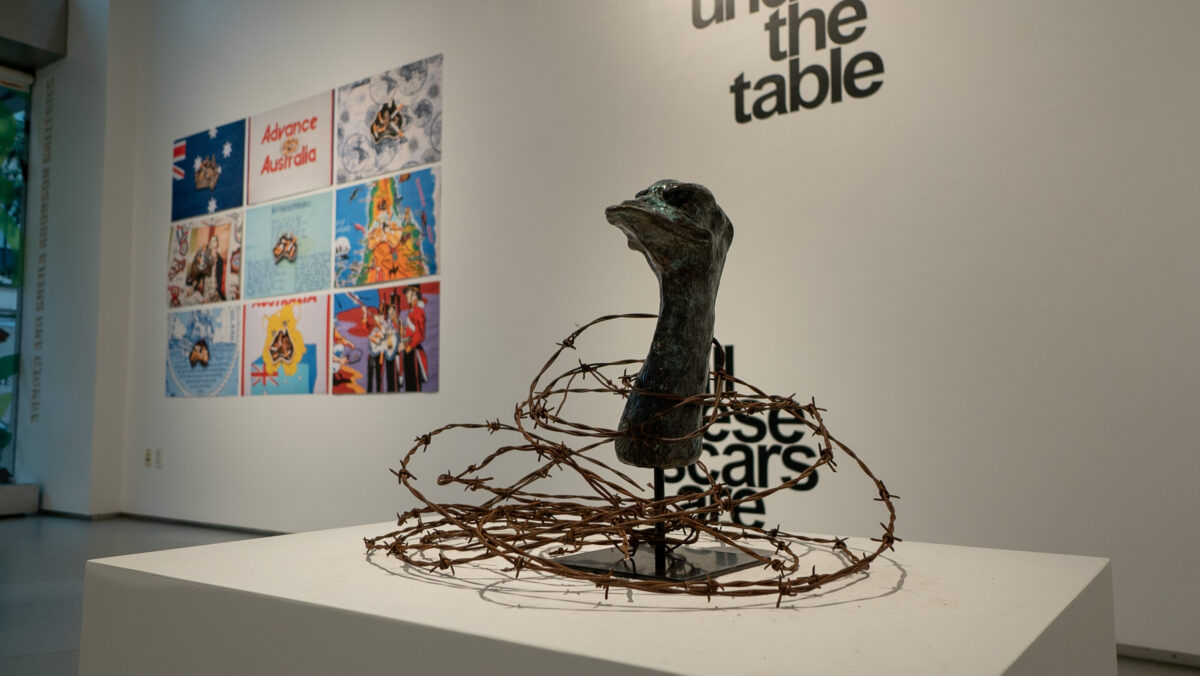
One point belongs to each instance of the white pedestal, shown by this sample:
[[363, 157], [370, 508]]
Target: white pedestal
[[312, 603]]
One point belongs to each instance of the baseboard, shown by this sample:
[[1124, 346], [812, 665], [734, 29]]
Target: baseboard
[[160, 519], [79, 517], [201, 524], [1174, 657]]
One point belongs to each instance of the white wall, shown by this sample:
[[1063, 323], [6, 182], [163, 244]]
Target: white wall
[[121, 139], [985, 272], [73, 395]]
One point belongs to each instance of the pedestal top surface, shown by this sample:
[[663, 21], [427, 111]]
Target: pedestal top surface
[[925, 606]]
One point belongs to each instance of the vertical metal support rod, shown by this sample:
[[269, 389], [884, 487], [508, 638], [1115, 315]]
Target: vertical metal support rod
[[660, 528]]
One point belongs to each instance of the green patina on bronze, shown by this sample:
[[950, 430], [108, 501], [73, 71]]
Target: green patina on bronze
[[684, 236]]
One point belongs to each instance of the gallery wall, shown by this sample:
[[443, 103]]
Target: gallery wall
[[75, 308], [982, 268]]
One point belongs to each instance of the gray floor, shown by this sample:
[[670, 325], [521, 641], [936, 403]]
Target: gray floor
[[41, 586], [41, 581], [1132, 667]]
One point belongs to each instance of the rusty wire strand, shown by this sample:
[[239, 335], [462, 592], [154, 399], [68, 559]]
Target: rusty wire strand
[[529, 529]]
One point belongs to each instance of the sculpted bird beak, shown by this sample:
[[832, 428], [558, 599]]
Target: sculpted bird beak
[[631, 217], [646, 218]]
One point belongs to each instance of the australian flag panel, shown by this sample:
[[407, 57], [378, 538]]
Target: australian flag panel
[[208, 171]]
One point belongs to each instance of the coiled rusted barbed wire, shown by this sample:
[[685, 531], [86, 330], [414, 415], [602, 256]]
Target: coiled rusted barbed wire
[[529, 529]]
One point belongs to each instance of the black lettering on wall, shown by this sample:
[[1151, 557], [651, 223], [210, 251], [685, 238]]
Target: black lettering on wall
[[811, 35], [747, 453]]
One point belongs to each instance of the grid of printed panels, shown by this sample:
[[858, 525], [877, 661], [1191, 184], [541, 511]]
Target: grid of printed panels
[[303, 253]]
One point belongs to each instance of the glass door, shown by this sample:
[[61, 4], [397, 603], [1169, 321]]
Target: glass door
[[14, 167]]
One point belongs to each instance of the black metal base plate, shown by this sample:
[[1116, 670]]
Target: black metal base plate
[[682, 565]]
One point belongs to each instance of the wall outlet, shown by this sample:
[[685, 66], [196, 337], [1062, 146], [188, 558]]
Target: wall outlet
[[158, 458], [147, 457]]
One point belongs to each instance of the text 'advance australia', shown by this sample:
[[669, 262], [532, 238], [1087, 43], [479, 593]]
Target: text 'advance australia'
[[291, 153]]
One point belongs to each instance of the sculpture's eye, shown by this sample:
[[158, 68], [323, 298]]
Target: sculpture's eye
[[680, 196]]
